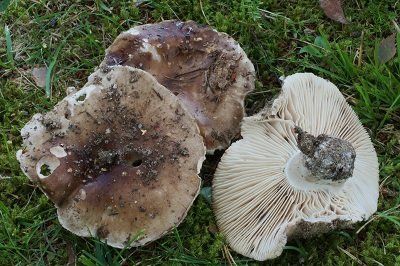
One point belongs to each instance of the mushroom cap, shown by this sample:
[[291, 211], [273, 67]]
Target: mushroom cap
[[119, 156], [257, 198], [206, 69]]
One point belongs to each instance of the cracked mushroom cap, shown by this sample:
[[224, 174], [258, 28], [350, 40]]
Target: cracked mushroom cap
[[117, 157], [206, 69], [263, 193]]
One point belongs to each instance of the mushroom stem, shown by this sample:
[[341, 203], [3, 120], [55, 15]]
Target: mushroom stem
[[327, 158]]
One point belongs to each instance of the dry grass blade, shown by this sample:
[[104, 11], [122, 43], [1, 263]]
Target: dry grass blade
[[351, 256], [228, 256], [4, 177]]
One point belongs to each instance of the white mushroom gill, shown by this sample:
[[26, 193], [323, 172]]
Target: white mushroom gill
[[260, 195]]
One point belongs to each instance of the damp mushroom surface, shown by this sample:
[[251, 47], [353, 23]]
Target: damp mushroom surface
[[305, 166], [206, 69], [118, 157]]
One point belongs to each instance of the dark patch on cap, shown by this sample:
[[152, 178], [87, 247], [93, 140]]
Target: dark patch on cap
[[102, 232]]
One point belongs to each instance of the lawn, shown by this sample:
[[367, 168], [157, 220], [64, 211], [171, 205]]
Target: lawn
[[280, 38]]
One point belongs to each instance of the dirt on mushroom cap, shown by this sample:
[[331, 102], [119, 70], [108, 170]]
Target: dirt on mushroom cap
[[206, 69], [129, 156]]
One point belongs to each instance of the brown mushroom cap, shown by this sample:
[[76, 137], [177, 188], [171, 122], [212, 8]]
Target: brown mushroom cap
[[119, 156], [206, 69]]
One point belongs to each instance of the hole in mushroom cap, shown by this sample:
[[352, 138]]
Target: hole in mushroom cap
[[81, 98], [67, 114], [137, 162], [134, 159], [45, 170], [46, 166]]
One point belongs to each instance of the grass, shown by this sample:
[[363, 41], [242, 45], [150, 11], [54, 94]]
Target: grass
[[280, 37]]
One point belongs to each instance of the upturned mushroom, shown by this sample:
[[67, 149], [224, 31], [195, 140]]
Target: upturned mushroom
[[304, 166], [206, 69], [118, 157]]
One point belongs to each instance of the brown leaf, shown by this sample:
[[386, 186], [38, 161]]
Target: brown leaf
[[387, 49], [39, 76], [333, 10]]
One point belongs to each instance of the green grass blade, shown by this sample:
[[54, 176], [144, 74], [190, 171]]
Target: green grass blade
[[301, 251], [51, 67], [10, 53]]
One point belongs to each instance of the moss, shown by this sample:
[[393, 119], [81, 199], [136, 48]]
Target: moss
[[272, 33]]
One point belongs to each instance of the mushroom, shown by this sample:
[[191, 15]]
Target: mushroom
[[117, 157], [207, 70], [304, 166]]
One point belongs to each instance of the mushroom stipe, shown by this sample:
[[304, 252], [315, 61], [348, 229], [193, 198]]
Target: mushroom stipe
[[116, 159], [326, 157]]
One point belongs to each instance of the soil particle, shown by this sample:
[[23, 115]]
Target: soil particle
[[51, 123]]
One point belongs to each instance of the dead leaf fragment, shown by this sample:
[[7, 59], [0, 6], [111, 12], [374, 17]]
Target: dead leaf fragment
[[212, 228], [387, 49], [39, 76], [71, 254], [333, 10]]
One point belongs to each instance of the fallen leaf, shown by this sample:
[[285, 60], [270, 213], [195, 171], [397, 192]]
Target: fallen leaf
[[205, 192], [71, 254], [4, 4], [387, 49], [333, 10], [212, 228], [39, 76]]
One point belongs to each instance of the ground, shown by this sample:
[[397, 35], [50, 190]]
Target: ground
[[280, 37]]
